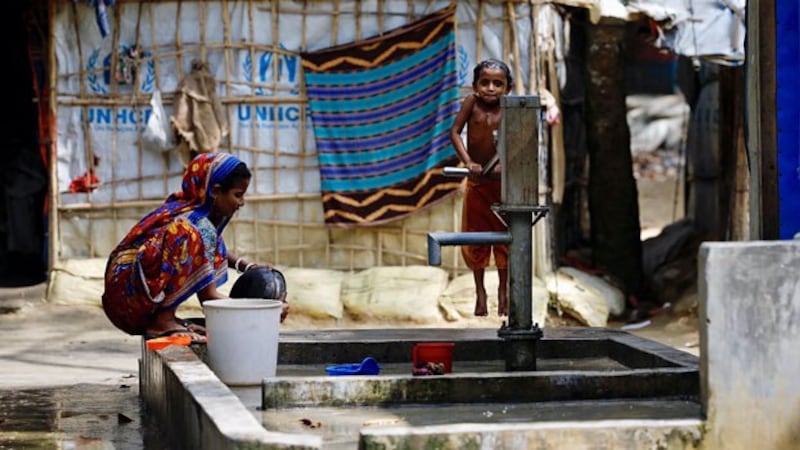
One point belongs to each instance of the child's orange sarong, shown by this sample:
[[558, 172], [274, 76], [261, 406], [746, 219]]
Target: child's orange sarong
[[477, 215]]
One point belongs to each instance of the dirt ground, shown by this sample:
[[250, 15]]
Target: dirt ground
[[661, 203]]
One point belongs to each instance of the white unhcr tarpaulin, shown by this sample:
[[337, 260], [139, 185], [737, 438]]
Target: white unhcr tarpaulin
[[115, 131]]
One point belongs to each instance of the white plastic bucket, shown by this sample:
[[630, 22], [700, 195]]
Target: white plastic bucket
[[242, 339]]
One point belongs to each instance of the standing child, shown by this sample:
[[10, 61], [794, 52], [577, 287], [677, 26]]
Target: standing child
[[481, 112]]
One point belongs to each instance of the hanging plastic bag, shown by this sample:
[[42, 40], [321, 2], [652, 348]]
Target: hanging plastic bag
[[157, 135]]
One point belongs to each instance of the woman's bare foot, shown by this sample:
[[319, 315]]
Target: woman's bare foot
[[502, 302], [480, 303], [166, 324]]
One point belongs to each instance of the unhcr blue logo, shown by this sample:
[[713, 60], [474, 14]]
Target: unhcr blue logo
[[268, 68], [128, 71], [287, 66]]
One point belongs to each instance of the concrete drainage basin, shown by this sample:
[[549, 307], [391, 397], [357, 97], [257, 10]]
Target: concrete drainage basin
[[582, 376], [592, 388]]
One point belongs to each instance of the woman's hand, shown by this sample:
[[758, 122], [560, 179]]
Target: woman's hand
[[252, 266], [284, 310], [242, 265]]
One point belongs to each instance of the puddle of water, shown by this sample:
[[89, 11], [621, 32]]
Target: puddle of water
[[76, 417]]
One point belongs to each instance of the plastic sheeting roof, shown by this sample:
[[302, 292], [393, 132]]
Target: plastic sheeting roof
[[710, 29]]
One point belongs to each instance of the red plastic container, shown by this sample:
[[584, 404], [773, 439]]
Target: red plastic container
[[435, 352]]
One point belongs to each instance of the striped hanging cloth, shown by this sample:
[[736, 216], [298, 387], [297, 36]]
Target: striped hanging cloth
[[382, 109]]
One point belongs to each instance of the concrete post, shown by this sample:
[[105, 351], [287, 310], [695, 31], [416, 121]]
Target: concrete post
[[749, 344]]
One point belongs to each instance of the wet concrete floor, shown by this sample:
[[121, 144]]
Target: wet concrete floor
[[69, 380], [339, 427], [83, 416], [49, 348]]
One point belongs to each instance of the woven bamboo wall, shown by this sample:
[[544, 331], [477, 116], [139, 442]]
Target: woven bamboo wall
[[284, 228]]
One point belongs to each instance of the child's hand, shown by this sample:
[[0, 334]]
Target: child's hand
[[475, 169], [552, 115]]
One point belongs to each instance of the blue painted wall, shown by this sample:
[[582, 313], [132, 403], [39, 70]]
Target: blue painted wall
[[788, 115]]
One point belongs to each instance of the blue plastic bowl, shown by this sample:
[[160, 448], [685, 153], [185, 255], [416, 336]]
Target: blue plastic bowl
[[367, 367]]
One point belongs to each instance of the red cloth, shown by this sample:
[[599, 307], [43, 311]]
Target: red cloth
[[477, 215], [84, 183]]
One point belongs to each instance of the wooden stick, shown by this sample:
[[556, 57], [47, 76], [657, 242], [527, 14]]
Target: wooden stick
[[178, 46], [227, 60], [54, 247], [558, 162], [275, 141], [153, 203], [532, 85], [479, 33], [335, 24], [519, 86]]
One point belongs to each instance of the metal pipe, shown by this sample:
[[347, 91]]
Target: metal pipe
[[437, 239], [455, 172], [520, 270]]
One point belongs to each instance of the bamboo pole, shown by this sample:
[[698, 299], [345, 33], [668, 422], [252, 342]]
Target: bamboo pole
[[156, 66], [335, 24], [519, 86], [276, 126], [558, 163], [381, 17], [178, 45], [203, 16], [479, 33], [53, 251], [168, 99], [357, 19], [253, 134], [87, 135], [301, 169], [532, 61], [140, 154], [155, 202], [226, 58]]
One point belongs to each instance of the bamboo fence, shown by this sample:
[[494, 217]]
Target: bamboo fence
[[90, 228]]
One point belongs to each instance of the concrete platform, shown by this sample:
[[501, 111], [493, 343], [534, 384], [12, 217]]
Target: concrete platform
[[642, 387]]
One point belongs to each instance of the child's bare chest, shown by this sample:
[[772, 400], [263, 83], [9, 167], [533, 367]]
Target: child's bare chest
[[485, 119]]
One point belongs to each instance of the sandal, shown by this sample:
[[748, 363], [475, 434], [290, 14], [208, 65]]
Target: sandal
[[175, 332]]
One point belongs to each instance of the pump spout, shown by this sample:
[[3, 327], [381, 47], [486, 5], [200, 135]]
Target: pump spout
[[437, 239]]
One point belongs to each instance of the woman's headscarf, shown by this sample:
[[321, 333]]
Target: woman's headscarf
[[203, 172]]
